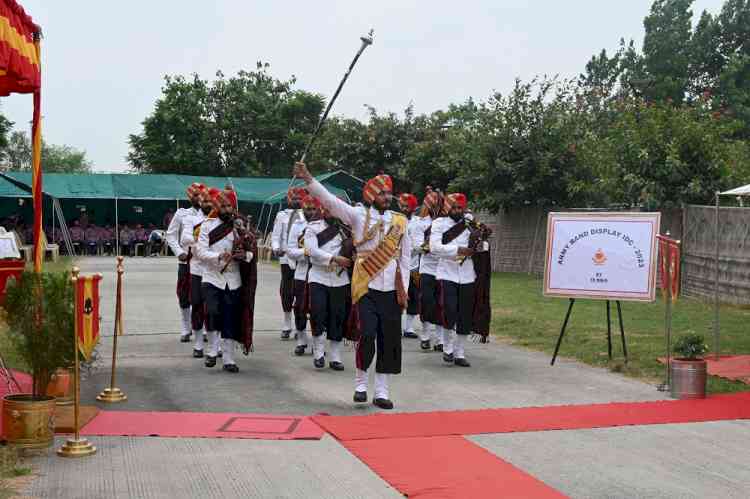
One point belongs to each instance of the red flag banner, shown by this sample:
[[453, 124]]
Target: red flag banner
[[87, 313], [21, 72], [669, 257]]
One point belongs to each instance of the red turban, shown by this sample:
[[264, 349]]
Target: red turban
[[408, 200], [311, 202], [195, 188], [228, 195], [293, 192], [375, 186], [213, 193], [455, 199]]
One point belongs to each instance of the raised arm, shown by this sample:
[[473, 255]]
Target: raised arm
[[338, 208], [173, 235]]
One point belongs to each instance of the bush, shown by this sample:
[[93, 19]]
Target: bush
[[690, 347], [39, 314]]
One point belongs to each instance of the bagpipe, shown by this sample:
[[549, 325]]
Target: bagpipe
[[245, 238], [479, 233]]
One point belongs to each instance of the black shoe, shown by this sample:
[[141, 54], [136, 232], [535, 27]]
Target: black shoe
[[462, 362], [438, 348], [185, 338], [300, 350], [210, 361], [197, 354], [383, 404], [336, 366], [448, 357], [360, 397], [320, 363], [410, 334], [220, 354], [231, 368], [286, 334], [425, 345], [205, 339]]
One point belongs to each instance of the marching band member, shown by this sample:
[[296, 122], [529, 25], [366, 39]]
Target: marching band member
[[407, 203], [379, 282]]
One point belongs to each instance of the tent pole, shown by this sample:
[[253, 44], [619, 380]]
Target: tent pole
[[52, 209], [117, 230], [260, 218], [716, 282]]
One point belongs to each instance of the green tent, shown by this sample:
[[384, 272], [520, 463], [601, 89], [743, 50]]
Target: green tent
[[112, 198]]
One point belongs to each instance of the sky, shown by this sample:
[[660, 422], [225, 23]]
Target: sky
[[104, 62]]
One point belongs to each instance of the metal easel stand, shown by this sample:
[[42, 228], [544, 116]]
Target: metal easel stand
[[609, 331]]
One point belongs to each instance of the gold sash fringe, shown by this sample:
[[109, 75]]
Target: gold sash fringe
[[370, 264]]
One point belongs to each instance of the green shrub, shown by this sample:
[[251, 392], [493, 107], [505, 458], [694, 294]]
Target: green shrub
[[690, 347]]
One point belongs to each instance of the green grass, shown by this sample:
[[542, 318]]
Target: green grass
[[523, 317]]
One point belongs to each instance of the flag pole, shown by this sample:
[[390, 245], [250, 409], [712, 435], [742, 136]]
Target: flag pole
[[113, 394], [77, 446]]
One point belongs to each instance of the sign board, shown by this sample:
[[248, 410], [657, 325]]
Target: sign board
[[8, 246], [602, 255]]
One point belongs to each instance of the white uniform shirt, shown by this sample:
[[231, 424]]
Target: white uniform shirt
[[428, 264], [281, 231], [175, 230], [416, 234], [449, 267], [209, 257], [322, 270], [355, 218], [296, 253], [189, 240]]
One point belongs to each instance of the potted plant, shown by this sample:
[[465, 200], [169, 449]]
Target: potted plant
[[688, 368], [40, 318]]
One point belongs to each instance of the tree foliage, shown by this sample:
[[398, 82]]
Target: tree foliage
[[248, 124], [55, 158]]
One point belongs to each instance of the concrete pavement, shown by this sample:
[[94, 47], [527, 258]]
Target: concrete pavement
[[158, 373]]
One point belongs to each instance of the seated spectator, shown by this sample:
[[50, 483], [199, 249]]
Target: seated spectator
[[84, 220], [107, 239], [77, 235], [167, 219], [28, 234], [127, 240], [92, 239]]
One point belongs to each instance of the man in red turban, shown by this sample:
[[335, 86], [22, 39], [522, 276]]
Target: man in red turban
[[407, 203], [189, 239], [452, 241], [174, 237], [379, 280], [282, 226]]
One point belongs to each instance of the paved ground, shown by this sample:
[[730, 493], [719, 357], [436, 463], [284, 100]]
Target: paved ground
[[157, 373]]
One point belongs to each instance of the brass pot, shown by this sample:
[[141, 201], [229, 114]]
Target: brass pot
[[28, 421], [688, 378], [59, 384]]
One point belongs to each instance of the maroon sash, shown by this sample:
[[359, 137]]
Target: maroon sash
[[220, 232], [455, 231]]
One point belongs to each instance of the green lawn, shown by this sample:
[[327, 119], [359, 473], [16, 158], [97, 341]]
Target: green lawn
[[523, 317]]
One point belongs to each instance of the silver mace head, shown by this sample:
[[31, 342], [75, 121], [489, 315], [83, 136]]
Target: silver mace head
[[367, 40]]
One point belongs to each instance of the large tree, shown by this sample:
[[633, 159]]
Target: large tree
[[55, 158], [248, 124]]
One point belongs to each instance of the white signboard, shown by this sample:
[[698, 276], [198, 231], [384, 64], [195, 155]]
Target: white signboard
[[602, 255]]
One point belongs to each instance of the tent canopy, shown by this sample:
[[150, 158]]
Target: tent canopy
[[738, 191], [167, 187]]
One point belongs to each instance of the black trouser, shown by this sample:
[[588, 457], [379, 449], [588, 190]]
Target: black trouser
[[328, 310], [380, 326], [286, 289], [93, 248], [183, 285], [412, 307], [300, 307], [222, 313], [429, 297], [197, 307], [458, 306], [126, 249]]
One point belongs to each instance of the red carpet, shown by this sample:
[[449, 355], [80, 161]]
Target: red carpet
[[570, 417], [732, 367], [202, 424], [442, 467]]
